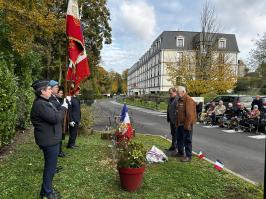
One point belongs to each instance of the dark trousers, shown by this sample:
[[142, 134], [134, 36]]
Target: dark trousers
[[173, 133], [50, 161], [73, 132], [184, 139]]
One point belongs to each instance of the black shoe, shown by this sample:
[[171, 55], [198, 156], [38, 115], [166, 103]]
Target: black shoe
[[51, 196], [61, 154]]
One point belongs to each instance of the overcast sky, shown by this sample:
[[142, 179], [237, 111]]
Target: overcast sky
[[136, 24]]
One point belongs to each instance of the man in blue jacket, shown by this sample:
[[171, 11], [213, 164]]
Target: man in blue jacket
[[47, 121], [74, 118]]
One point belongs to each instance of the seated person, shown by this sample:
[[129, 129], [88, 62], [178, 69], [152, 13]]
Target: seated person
[[242, 112], [255, 113], [219, 110], [210, 110], [242, 115], [229, 112], [204, 116]]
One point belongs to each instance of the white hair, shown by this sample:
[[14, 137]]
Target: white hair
[[181, 89]]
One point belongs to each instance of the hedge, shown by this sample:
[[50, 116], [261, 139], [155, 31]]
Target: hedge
[[8, 104]]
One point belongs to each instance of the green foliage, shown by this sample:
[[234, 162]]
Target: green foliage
[[8, 102], [25, 98], [251, 85], [33, 45], [86, 119], [131, 154], [208, 96]]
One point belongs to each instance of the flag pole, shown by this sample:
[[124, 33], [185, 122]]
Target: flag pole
[[65, 126]]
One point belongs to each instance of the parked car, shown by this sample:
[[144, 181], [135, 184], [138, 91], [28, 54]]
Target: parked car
[[236, 100]]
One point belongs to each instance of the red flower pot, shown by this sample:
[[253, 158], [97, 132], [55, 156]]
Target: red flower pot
[[131, 178]]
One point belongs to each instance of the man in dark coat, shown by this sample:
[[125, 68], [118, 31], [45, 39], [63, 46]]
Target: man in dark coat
[[47, 121], [257, 101], [171, 116], [74, 118], [55, 101]]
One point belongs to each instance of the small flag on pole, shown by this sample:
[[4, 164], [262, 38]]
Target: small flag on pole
[[219, 165], [124, 118], [201, 155]]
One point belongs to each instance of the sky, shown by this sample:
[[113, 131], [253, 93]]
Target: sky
[[137, 23]]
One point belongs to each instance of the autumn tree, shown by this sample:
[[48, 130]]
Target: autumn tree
[[34, 45], [207, 69], [124, 81]]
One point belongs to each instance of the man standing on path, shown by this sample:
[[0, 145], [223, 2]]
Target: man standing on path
[[171, 116], [74, 118], [185, 119]]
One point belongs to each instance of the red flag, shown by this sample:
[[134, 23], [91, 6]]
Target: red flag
[[78, 67]]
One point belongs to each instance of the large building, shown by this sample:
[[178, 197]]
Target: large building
[[149, 74]]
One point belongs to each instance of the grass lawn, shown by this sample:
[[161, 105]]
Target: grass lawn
[[88, 174]]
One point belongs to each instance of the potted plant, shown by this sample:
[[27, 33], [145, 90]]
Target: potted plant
[[131, 164]]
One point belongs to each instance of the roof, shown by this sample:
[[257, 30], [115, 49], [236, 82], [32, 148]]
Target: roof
[[168, 40]]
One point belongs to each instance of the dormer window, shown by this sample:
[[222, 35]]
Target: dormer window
[[222, 43], [180, 41]]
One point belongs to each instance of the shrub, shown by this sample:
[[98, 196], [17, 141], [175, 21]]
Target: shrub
[[8, 104], [24, 103], [131, 154], [86, 119]]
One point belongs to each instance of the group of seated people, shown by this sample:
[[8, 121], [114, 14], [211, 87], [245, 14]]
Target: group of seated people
[[237, 118]]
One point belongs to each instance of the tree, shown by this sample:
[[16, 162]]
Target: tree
[[206, 70], [124, 81], [258, 55], [221, 76]]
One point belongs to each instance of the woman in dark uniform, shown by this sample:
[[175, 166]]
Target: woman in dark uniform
[[47, 122]]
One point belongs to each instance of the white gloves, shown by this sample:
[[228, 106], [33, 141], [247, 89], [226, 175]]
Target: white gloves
[[68, 99], [65, 104], [72, 123]]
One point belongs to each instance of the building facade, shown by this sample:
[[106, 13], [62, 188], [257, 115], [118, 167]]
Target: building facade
[[149, 74]]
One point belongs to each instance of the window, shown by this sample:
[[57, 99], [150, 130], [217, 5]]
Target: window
[[222, 43], [180, 41]]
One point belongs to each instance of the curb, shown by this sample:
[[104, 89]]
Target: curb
[[210, 161]]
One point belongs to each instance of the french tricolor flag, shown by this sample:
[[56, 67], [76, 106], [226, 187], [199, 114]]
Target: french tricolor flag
[[124, 118], [201, 155], [219, 165]]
